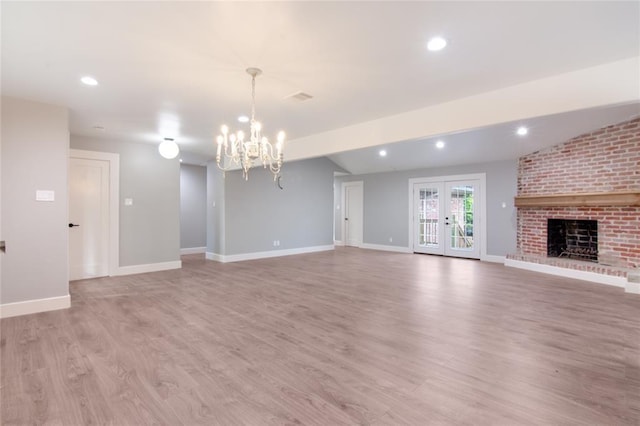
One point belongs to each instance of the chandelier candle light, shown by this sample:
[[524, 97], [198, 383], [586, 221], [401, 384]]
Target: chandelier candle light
[[245, 153]]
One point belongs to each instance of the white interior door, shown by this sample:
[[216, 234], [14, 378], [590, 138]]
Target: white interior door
[[446, 218], [352, 208], [88, 218]]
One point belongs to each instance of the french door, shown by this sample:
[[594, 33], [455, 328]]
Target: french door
[[446, 218]]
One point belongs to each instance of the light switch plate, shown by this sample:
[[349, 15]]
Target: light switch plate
[[42, 195], [128, 201]]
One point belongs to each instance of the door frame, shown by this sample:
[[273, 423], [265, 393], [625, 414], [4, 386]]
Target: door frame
[[114, 204], [360, 184], [482, 178]]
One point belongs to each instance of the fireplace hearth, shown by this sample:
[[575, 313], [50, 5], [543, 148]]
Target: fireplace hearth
[[572, 239]]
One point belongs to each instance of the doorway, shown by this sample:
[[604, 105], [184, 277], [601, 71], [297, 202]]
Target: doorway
[[447, 216], [352, 213], [93, 214]]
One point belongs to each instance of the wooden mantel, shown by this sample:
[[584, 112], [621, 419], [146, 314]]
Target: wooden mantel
[[601, 199]]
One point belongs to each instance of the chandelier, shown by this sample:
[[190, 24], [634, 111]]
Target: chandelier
[[237, 151]]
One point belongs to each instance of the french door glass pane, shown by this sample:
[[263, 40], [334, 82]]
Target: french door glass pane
[[429, 211], [461, 208]]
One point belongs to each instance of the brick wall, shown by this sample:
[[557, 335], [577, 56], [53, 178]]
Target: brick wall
[[607, 160]]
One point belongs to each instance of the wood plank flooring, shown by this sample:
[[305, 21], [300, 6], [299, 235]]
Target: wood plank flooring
[[335, 338]]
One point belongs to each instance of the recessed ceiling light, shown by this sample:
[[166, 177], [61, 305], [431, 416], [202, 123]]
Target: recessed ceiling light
[[440, 144], [243, 119], [436, 43], [382, 153], [89, 81], [522, 131]]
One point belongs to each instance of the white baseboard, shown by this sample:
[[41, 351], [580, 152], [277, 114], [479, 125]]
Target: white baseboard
[[265, 254], [192, 250], [633, 288], [214, 256], [568, 273], [382, 247], [34, 306], [493, 258], [338, 243], [150, 267]]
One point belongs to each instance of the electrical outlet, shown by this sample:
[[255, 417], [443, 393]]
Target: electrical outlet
[[275, 243], [390, 239]]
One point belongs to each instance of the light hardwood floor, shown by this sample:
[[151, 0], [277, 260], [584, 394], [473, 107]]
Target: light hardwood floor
[[334, 338]]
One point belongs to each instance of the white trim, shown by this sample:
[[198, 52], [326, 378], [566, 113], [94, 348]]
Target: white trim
[[633, 288], [338, 243], [265, 254], [34, 306], [193, 250], [214, 256], [150, 267], [482, 177], [382, 247], [568, 273], [493, 258], [357, 183], [114, 201]]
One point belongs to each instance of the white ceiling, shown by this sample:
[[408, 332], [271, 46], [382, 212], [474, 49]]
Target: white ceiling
[[177, 68], [493, 143]]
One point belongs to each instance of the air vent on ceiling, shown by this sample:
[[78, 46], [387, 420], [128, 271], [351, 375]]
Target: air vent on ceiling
[[299, 96]]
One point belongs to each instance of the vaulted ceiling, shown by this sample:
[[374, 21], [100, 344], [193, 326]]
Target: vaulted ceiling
[[177, 69]]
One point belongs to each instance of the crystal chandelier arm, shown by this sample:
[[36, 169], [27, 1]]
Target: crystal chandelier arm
[[224, 169], [276, 169]]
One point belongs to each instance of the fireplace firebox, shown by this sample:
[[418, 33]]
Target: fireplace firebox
[[573, 239]]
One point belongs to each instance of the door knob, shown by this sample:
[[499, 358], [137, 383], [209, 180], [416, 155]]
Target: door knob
[[346, 218], [71, 225]]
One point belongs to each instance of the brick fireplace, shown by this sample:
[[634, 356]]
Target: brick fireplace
[[593, 177]]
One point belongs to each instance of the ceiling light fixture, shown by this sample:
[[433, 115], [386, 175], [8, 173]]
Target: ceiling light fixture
[[89, 81], [243, 119], [522, 131], [382, 153], [168, 149], [436, 43], [257, 149], [440, 144]]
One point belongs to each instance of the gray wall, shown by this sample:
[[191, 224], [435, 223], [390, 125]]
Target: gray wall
[[193, 206], [386, 204], [35, 147], [150, 228], [257, 212], [215, 210]]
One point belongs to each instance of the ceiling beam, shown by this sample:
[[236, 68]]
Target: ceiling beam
[[604, 85]]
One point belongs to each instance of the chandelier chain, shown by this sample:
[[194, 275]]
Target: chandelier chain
[[253, 98]]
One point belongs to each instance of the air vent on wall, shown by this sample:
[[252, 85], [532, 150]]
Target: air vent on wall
[[299, 96]]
